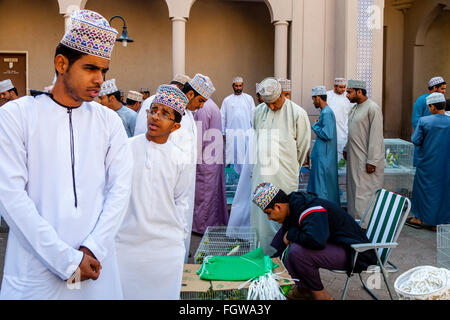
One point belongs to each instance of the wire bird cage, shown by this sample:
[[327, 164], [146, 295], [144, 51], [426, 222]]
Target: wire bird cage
[[222, 241], [443, 246], [211, 294], [398, 153]]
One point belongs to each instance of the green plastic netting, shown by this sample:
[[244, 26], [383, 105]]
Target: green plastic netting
[[236, 268]]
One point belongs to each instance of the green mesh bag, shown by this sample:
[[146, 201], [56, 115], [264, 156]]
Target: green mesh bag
[[236, 268]]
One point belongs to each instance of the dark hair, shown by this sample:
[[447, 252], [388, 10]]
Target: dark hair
[[439, 105], [178, 117], [281, 197], [323, 97], [130, 102], [437, 86], [116, 95], [447, 107], [187, 87], [71, 54], [15, 91]]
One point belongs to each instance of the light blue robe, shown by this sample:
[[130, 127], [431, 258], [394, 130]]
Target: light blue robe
[[128, 117], [420, 110], [323, 179], [430, 196]]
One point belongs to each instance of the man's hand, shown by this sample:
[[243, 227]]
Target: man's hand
[[86, 250], [285, 240], [89, 268], [370, 168]]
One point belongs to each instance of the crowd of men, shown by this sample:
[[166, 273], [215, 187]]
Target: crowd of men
[[101, 197]]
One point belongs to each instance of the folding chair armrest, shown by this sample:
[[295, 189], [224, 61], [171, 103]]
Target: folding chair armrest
[[361, 247]]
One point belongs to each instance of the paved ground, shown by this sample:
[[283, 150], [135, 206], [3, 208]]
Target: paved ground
[[416, 248]]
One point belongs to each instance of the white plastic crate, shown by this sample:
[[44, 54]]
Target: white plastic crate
[[223, 240], [443, 246]]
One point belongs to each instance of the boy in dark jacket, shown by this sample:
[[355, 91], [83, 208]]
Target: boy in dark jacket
[[318, 234]]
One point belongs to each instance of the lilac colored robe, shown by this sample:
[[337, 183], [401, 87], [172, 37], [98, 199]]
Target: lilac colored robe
[[210, 207]]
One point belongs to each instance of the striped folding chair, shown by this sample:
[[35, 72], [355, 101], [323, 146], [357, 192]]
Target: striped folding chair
[[386, 222]]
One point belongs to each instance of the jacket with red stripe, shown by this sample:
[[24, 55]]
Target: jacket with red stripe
[[313, 222]]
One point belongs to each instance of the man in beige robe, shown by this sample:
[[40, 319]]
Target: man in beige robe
[[364, 151], [282, 136]]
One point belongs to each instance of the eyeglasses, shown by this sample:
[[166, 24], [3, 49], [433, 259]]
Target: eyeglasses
[[161, 114]]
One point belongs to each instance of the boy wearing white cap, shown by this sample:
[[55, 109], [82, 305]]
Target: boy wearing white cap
[[150, 241], [430, 201], [65, 176], [141, 120], [7, 91], [110, 97], [134, 100], [282, 137]]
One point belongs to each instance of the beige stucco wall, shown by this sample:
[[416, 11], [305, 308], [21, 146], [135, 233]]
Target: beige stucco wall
[[145, 62], [417, 46], [238, 40], [36, 28], [394, 21], [433, 58]]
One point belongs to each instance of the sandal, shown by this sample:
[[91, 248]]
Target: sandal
[[419, 225], [409, 223]]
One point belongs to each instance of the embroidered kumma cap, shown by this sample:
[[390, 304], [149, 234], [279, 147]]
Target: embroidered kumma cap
[[286, 84], [90, 33], [135, 96], [171, 96], [264, 194], [203, 85], [319, 91], [356, 84], [435, 97], [340, 81], [435, 81], [108, 87], [270, 90]]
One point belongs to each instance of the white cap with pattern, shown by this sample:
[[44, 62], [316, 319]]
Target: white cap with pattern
[[270, 89], [108, 87], [435, 81], [135, 96]]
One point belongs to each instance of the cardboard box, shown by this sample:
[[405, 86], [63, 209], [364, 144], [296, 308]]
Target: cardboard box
[[194, 288]]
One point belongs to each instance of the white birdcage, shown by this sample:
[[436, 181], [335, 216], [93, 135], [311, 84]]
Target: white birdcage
[[222, 241], [398, 153], [443, 246]]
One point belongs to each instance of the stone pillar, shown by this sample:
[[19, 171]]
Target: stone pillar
[[281, 49], [66, 7], [178, 45], [70, 9]]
